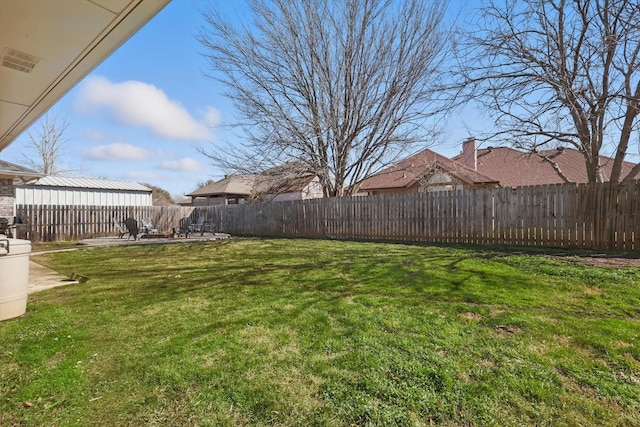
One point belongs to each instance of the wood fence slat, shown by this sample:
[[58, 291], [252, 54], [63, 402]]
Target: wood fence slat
[[636, 217], [628, 229], [568, 199]]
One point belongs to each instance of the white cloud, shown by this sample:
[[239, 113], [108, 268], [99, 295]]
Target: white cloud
[[165, 153], [142, 104], [142, 175], [117, 151], [184, 165], [211, 116], [94, 135]]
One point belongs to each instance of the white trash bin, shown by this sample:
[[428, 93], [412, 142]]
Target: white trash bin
[[14, 277]]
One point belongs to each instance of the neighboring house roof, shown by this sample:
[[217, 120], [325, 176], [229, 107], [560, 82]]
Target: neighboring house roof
[[289, 177], [292, 185], [410, 170], [247, 185], [235, 184], [90, 183], [10, 170], [514, 168]]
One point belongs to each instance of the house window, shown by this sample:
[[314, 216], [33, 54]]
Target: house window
[[440, 181], [236, 200]]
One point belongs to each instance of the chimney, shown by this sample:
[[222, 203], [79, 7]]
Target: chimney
[[469, 156]]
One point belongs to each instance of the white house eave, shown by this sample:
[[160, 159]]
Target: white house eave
[[67, 39]]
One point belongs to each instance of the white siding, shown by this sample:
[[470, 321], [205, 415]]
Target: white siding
[[312, 191], [80, 197]]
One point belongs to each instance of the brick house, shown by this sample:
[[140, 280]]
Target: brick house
[[11, 175], [488, 167], [425, 171], [239, 189], [515, 168]]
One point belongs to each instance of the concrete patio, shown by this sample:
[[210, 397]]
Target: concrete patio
[[42, 278], [111, 241]]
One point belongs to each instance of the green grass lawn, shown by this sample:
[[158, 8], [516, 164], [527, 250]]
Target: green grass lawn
[[303, 332]]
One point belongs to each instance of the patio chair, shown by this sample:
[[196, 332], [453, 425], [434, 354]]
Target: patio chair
[[121, 229], [4, 227], [132, 228], [185, 227], [201, 227], [196, 227], [147, 226]]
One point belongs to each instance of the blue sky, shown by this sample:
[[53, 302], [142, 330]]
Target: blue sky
[[142, 114]]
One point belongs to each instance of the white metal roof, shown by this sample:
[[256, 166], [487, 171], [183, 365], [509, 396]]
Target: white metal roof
[[92, 183]]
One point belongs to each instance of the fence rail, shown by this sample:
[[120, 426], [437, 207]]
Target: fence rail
[[595, 216], [60, 223]]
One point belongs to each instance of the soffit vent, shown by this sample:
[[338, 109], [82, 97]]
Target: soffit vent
[[17, 60]]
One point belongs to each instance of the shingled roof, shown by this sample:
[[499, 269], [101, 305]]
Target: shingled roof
[[514, 168], [10, 170], [241, 185], [247, 185], [410, 170]]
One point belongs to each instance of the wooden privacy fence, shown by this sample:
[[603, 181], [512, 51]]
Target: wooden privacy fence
[[596, 216], [60, 223]]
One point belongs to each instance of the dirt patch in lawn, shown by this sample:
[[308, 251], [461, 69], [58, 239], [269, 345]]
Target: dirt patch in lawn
[[605, 260]]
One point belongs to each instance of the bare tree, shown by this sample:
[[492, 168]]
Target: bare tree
[[337, 86], [558, 71], [159, 196], [46, 145]]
